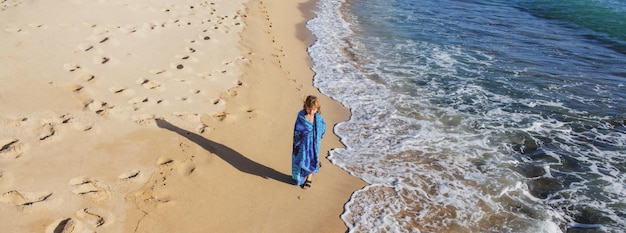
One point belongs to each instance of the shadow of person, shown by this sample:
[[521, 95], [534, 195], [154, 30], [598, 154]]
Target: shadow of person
[[229, 155]]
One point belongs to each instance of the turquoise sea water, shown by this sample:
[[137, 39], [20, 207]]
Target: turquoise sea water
[[478, 116]]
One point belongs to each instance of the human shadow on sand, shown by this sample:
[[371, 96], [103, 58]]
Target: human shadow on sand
[[229, 155]]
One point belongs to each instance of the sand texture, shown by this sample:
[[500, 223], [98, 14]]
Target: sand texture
[[159, 116]]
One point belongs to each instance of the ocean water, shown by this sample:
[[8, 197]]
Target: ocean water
[[478, 116]]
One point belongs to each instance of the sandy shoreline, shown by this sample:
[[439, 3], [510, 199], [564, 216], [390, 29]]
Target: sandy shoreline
[[82, 149]]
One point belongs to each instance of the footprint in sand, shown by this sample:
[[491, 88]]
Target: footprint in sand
[[202, 128], [90, 25], [232, 92], [85, 186], [99, 107], [189, 116], [138, 100], [103, 39], [187, 168], [158, 72], [100, 60], [18, 198], [217, 101], [99, 31], [128, 29], [82, 97], [95, 217], [148, 84], [82, 126], [182, 98], [71, 67], [148, 198], [129, 175], [182, 80], [164, 160], [144, 119], [85, 47], [6, 4], [66, 225], [13, 30], [75, 87], [46, 131], [252, 113], [204, 37], [87, 77], [11, 148], [87, 220], [220, 116], [181, 67], [187, 58], [206, 75], [190, 50], [39, 26], [122, 90]]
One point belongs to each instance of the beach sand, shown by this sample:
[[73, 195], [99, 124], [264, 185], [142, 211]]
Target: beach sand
[[159, 116]]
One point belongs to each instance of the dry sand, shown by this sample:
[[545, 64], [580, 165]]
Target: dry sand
[[159, 116]]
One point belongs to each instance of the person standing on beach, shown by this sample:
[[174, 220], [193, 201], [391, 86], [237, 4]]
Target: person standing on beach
[[307, 135]]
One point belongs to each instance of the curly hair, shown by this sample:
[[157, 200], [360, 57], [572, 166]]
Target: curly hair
[[312, 102]]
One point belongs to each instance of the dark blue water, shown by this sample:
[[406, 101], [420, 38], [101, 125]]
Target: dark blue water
[[479, 116]]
